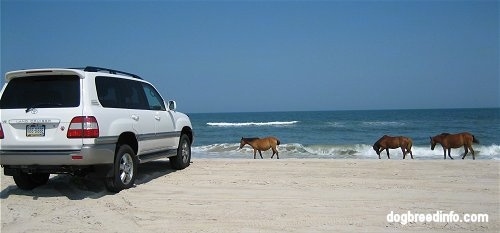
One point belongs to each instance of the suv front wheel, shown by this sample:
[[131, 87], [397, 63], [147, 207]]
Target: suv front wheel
[[183, 157], [124, 170]]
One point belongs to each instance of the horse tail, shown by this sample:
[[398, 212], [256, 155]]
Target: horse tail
[[475, 140], [278, 141], [410, 144]]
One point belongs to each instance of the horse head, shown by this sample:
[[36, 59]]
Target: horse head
[[376, 148], [433, 143], [242, 142]]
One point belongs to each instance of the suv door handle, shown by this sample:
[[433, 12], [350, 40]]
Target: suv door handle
[[157, 117], [135, 117]]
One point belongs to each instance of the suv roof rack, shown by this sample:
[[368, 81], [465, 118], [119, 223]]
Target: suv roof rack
[[111, 71]]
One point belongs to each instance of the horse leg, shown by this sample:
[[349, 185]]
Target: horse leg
[[449, 151], [277, 156], [387, 149], [444, 149], [254, 153], [473, 155], [275, 151], [466, 151], [408, 149], [404, 152], [261, 155]]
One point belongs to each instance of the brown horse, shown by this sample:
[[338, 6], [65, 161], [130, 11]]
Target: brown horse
[[449, 141], [388, 142], [263, 144]]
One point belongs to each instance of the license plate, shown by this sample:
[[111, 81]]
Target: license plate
[[35, 130]]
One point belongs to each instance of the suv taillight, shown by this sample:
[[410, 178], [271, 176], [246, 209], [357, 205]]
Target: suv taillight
[[1, 132], [83, 127]]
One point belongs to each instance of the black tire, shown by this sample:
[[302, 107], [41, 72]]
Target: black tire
[[28, 181], [124, 170], [183, 157]]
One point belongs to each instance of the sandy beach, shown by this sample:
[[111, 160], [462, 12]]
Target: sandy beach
[[246, 195]]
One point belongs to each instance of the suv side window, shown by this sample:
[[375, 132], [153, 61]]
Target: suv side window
[[107, 92], [120, 93], [154, 99], [133, 95]]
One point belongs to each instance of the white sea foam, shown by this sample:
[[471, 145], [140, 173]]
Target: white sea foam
[[357, 151], [383, 123], [240, 124]]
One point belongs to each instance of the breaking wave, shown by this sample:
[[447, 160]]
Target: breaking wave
[[357, 151], [383, 123], [240, 124]]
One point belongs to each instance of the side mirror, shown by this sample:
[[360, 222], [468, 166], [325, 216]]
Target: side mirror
[[172, 105]]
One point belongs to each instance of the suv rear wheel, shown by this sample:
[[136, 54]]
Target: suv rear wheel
[[124, 170], [183, 157], [28, 181]]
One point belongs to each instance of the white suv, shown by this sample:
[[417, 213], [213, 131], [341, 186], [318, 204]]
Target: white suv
[[81, 120]]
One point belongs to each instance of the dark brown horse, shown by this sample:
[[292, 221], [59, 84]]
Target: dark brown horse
[[263, 144], [388, 142], [449, 141]]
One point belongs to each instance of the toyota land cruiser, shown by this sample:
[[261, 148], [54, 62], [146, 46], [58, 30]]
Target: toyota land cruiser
[[81, 120]]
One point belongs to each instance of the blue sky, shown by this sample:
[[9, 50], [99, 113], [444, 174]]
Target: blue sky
[[239, 56]]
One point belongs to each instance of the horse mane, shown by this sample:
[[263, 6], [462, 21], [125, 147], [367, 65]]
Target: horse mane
[[377, 143], [249, 139], [445, 134]]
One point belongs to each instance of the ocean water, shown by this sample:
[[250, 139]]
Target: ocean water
[[344, 134]]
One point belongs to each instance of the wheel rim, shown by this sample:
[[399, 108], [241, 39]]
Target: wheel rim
[[126, 168], [185, 151]]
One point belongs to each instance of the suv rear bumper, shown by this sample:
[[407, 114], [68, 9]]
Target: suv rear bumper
[[88, 155]]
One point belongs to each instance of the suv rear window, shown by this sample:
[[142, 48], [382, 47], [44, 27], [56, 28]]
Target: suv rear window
[[57, 91]]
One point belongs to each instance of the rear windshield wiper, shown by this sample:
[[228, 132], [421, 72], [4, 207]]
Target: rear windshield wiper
[[38, 105]]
